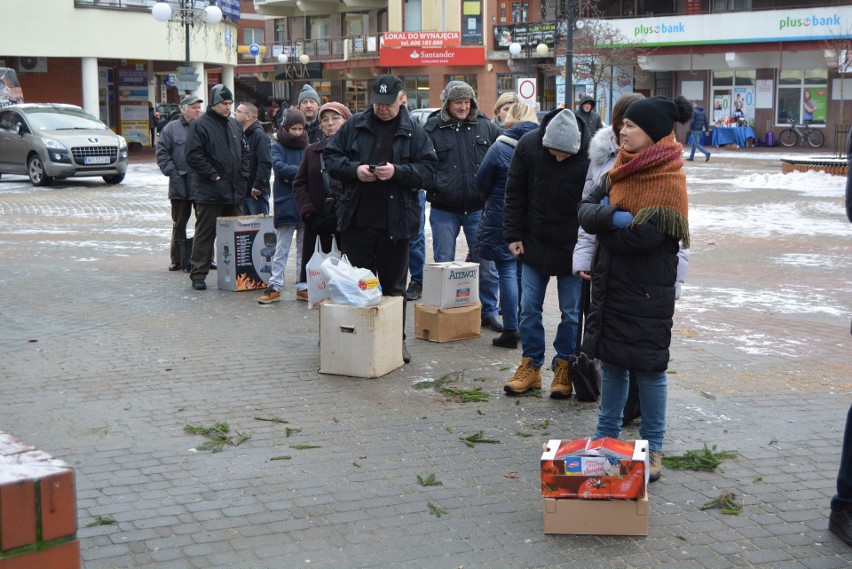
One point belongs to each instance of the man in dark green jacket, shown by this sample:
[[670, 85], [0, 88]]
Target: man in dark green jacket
[[217, 153]]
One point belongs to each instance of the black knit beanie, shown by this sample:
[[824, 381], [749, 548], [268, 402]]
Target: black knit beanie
[[657, 115]]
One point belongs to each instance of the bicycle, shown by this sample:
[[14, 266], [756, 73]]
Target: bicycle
[[793, 135]]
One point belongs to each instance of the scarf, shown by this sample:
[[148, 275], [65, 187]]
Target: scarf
[[293, 141], [651, 184]]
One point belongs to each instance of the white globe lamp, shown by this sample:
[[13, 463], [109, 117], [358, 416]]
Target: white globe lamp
[[161, 11], [515, 48], [213, 14]]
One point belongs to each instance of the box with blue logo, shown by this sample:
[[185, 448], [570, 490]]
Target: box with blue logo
[[450, 285]]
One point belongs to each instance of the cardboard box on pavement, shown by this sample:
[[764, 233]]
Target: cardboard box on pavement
[[594, 469], [447, 324], [244, 249], [449, 285], [361, 341], [596, 517]]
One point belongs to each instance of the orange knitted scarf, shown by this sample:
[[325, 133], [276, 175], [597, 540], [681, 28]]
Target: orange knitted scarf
[[651, 185]]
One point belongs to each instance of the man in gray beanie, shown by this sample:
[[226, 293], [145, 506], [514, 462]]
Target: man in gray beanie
[[461, 135], [217, 154], [544, 186], [309, 104]]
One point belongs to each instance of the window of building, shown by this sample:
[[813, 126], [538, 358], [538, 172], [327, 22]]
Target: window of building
[[356, 23], [416, 88], [469, 79], [411, 17], [356, 95], [253, 35], [802, 96], [318, 30], [281, 30], [733, 91]]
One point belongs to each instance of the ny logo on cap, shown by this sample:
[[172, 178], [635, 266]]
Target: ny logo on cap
[[383, 88]]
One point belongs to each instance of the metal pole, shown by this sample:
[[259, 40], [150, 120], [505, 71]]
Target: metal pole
[[569, 58], [186, 27]]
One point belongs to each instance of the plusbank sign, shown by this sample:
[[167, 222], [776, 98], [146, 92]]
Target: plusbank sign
[[660, 28], [788, 22], [736, 27]]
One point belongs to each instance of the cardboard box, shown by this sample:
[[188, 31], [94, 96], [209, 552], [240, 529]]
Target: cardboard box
[[244, 249], [361, 341], [595, 469], [449, 285], [447, 324], [596, 517]]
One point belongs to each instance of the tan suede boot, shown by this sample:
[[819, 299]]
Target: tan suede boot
[[526, 377], [561, 387], [655, 465]]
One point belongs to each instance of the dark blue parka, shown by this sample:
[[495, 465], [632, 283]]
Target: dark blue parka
[[490, 183], [699, 119], [414, 162], [285, 163]]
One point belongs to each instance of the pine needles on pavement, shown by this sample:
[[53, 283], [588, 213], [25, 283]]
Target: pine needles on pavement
[[706, 459], [218, 436]]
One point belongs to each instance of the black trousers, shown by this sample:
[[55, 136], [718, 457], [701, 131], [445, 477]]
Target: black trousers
[[205, 235], [181, 210], [370, 248]]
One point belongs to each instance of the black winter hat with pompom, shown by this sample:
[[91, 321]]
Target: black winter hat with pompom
[[657, 115]]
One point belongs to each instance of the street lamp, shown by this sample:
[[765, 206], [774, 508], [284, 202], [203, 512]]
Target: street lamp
[[569, 57], [541, 50], [188, 13]]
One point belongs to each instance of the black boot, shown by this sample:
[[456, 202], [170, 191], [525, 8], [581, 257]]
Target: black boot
[[508, 339], [632, 409]]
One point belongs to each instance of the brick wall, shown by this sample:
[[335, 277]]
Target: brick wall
[[61, 84], [38, 515]]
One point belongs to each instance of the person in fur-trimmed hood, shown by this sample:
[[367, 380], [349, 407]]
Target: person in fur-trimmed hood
[[639, 213], [461, 135]]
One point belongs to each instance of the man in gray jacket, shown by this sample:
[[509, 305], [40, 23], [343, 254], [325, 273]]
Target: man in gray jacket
[[218, 155], [172, 162]]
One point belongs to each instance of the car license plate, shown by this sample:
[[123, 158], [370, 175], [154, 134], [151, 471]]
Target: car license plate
[[97, 160]]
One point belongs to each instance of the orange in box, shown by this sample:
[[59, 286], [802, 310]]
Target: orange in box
[[594, 469]]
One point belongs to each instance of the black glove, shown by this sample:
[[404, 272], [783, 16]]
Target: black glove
[[329, 224], [314, 223]]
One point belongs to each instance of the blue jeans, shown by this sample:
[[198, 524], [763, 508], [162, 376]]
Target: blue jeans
[[417, 246], [534, 287], [445, 230], [696, 143], [508, 273], [652, 396], [284, 236], [259, 206], [843, 498]]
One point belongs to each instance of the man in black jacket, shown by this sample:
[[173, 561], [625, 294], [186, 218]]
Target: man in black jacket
[[462, 136], [260, 161], [544, 185], [589, 116], [217, 153], [383, 158]]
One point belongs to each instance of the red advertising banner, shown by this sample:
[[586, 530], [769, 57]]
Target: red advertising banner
[[422, 57], [421, 39]]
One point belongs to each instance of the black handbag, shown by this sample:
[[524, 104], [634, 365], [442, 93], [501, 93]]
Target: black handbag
[[585, 371]]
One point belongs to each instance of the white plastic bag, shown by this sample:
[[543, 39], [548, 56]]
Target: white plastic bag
[[350, 285], [317, 282]]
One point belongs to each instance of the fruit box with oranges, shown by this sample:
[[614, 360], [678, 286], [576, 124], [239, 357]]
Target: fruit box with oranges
[[595, 469]]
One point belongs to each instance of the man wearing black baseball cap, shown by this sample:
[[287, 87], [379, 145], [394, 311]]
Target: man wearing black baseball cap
[[382, 158]]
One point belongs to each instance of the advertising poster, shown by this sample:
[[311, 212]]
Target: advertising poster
[[744, 101], [134, 124], [10, 89], [763, 97], [721, 105], [814, 103]]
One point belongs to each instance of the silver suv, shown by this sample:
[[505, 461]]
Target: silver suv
[[57, 141]]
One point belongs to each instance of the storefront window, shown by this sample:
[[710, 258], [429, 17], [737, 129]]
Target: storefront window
[[802, 96], [733, 96], [356, 95], [417, 90]]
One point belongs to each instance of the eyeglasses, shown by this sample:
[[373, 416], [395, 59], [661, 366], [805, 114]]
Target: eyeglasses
[[331, 118]]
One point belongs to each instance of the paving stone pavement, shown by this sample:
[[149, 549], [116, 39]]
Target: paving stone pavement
[[106, 357]]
